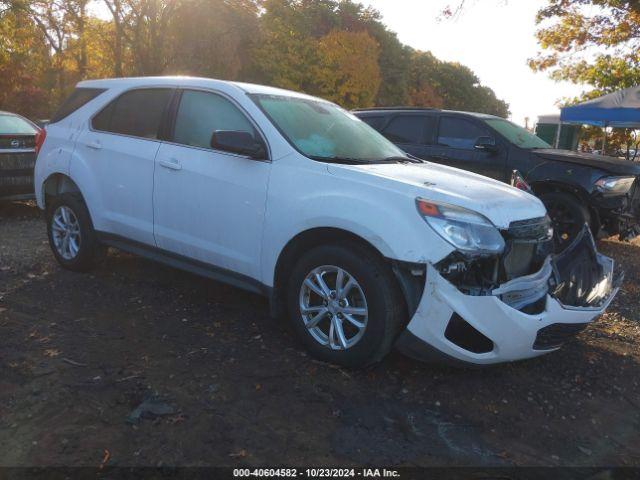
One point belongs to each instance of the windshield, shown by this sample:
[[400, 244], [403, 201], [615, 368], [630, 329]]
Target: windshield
[[518, 135], [10, 124], [324, 131]]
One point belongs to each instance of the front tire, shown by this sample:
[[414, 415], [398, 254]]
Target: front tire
[[71, 235], [345, 305], [568, 216]]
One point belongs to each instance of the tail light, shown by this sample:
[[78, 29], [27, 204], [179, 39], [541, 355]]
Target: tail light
[[41, 134], [518, 181]]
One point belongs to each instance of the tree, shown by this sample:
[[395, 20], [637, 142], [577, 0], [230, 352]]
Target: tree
[[213, 38], [449, 85], [24, 61], [593, 42], [348, 71]]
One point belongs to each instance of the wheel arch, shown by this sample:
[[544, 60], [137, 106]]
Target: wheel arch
[[317, 236], [57, 184], [542, 187]]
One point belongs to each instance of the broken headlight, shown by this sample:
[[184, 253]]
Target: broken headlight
[[615, 184], [468, 231]]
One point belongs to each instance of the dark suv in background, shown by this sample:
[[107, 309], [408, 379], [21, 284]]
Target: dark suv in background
[[576, 188]]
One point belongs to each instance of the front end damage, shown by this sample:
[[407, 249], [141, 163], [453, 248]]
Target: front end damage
[[619, 214], [520, 304]]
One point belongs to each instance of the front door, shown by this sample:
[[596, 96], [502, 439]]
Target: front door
[[209, 205], [457, 137]]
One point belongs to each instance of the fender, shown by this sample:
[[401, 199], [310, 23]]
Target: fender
[[369, 213], [565, 176]]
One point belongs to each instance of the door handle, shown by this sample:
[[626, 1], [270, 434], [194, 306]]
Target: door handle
[[96, 145], [172, 164]]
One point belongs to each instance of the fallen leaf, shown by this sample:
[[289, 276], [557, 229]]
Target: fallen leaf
[[51, 352], [105, 459], [242, 453]]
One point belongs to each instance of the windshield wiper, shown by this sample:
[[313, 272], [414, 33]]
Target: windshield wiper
[[360, 161], [407, 159], [345, 160]]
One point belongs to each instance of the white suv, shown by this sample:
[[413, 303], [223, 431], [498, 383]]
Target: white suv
[[280, 193]]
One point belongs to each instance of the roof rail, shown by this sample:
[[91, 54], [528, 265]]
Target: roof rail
[[393, 108]]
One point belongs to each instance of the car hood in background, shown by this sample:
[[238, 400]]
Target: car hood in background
[[499, 202], [614, 165]]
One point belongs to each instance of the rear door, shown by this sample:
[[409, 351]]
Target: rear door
[[209, 205], [120, 145], [456, 140]]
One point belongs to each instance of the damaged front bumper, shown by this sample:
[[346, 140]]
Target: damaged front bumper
[[523, 318], [619, 214]]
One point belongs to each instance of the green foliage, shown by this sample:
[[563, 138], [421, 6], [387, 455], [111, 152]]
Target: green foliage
[[592, 42], [337, 49], [449, 85]]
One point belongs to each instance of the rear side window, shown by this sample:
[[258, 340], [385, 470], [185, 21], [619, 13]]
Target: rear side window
[[405, 129], [202, 113], [137, 113], [460, 133], [77, 99]]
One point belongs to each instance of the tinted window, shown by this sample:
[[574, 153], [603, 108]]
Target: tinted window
[[405, 129], [375, 122], [431, 127], [202, 113], [12, 124], [516, 134], [137, 113], [77, 99], [459, 133]]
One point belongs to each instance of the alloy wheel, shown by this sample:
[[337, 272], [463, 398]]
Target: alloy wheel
[[333, 307], [65, 230]]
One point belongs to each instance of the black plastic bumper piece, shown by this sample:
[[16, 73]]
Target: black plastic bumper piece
[[557, 334], [411, 346]]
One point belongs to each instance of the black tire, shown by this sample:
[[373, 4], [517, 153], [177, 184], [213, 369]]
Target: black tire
[[385, 304], [90, 251], [568, 215]]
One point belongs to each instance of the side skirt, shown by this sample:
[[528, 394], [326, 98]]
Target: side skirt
[[183, 263]]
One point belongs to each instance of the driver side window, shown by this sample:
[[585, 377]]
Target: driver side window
[[202, 113], [459, 133]]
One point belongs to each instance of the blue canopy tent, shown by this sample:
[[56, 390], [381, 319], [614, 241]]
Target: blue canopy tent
[[619, 109]]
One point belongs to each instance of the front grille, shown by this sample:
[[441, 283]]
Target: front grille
[[16, 173], [17, 141], [556, 334], [528, 243], [533, 230]]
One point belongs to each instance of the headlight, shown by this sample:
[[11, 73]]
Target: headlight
[[615, 184], [466, 230]]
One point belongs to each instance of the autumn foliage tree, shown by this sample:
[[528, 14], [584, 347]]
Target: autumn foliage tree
[[593, 42], [348, 72], [337, 49]]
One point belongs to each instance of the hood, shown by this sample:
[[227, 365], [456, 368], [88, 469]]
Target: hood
[[613, 165], [499, 202]]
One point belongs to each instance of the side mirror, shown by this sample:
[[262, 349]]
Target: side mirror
[[235, 141], [488, 144]]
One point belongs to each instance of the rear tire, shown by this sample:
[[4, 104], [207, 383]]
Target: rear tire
[[71, 235], [568, 216], [364, 311]]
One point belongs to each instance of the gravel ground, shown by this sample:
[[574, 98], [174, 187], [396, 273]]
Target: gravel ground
[[79, 353]]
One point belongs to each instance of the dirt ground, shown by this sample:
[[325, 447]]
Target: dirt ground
[[79, 353]]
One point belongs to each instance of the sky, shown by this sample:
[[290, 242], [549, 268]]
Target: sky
[[492, 37]]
